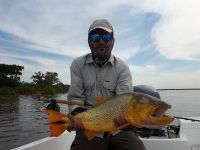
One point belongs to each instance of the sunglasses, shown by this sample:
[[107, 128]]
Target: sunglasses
[[97, 37]]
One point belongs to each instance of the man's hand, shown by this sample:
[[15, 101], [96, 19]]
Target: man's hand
[[119, 121], [43, 99], [76, 124]]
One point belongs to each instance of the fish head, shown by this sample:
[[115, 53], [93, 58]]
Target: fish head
[[149, 112]]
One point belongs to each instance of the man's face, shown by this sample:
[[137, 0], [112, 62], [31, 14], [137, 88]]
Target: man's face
[[101, 48]]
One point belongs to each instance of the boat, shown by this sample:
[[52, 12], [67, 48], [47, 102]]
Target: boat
[[180, 135]]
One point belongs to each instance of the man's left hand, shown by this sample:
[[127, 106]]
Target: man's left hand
[[119, 121]]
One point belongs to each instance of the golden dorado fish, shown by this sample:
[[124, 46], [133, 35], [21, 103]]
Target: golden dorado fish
[[138, 109]]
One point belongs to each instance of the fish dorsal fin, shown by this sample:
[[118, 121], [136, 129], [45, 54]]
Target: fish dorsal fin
[[54, 116], [90, 134], [101, 100]]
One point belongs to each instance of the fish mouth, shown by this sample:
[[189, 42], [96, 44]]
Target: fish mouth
[[160, 111], [158, 119]]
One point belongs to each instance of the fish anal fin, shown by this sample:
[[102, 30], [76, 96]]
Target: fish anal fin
[[101, 100], [119, 128], [90, 134]]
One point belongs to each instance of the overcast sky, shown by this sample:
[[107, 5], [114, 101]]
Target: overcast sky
[[158, 39]]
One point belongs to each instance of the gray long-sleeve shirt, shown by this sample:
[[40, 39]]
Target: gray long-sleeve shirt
[[89, 81]]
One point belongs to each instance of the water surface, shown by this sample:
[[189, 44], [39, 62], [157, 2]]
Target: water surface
[[185, 103], [22, 119]]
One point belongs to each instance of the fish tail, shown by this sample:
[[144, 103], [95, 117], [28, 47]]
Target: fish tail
[[57, 129], [58, 122], [55, 116]]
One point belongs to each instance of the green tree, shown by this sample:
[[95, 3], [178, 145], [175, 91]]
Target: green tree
[[10, 75], [50, 78], [38, 78]]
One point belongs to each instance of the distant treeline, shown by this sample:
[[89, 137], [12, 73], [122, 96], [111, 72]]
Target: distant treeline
[[42, 83], [181, 89]]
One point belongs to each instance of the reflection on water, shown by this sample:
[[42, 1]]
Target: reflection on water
[[22, 120]]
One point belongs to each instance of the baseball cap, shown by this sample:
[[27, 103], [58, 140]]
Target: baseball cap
[[101, 24]]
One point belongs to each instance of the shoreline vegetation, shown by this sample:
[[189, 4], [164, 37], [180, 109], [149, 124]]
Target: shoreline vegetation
[[46, 84], [34, 90], [48, 90]]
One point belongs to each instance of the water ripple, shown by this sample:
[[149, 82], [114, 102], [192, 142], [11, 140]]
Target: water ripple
[[22, 119]]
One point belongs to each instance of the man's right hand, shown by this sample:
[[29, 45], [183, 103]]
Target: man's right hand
[[43, 99], [76, 124]]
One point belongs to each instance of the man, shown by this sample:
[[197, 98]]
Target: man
[[99, 73]]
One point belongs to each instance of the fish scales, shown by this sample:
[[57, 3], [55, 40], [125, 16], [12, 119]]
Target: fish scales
[[101, 118]]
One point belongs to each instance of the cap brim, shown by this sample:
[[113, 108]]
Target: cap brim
[[100, 27]]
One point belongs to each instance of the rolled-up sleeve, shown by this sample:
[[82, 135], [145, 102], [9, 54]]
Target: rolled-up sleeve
[[124, 81]]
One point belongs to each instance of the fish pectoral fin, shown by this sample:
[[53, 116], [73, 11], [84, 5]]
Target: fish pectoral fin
[[101, 100], [90, 134], [119, 128]]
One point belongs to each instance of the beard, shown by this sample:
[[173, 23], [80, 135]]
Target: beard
[[101, 55], [102, 52]]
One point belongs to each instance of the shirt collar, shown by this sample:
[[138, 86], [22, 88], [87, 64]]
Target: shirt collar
[[90, 60]]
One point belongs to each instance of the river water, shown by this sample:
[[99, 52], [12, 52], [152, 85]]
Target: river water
[[22, 119]]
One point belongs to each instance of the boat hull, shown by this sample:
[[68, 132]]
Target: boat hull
[[189, 139]]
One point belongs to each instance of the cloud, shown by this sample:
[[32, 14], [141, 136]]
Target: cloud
[[43, 65], [152, 75], [143, 70], [125, 54], [61, 27], [47, 23], [177, 33]]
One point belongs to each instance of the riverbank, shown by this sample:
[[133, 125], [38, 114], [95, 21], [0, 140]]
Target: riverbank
[[34, 90]]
